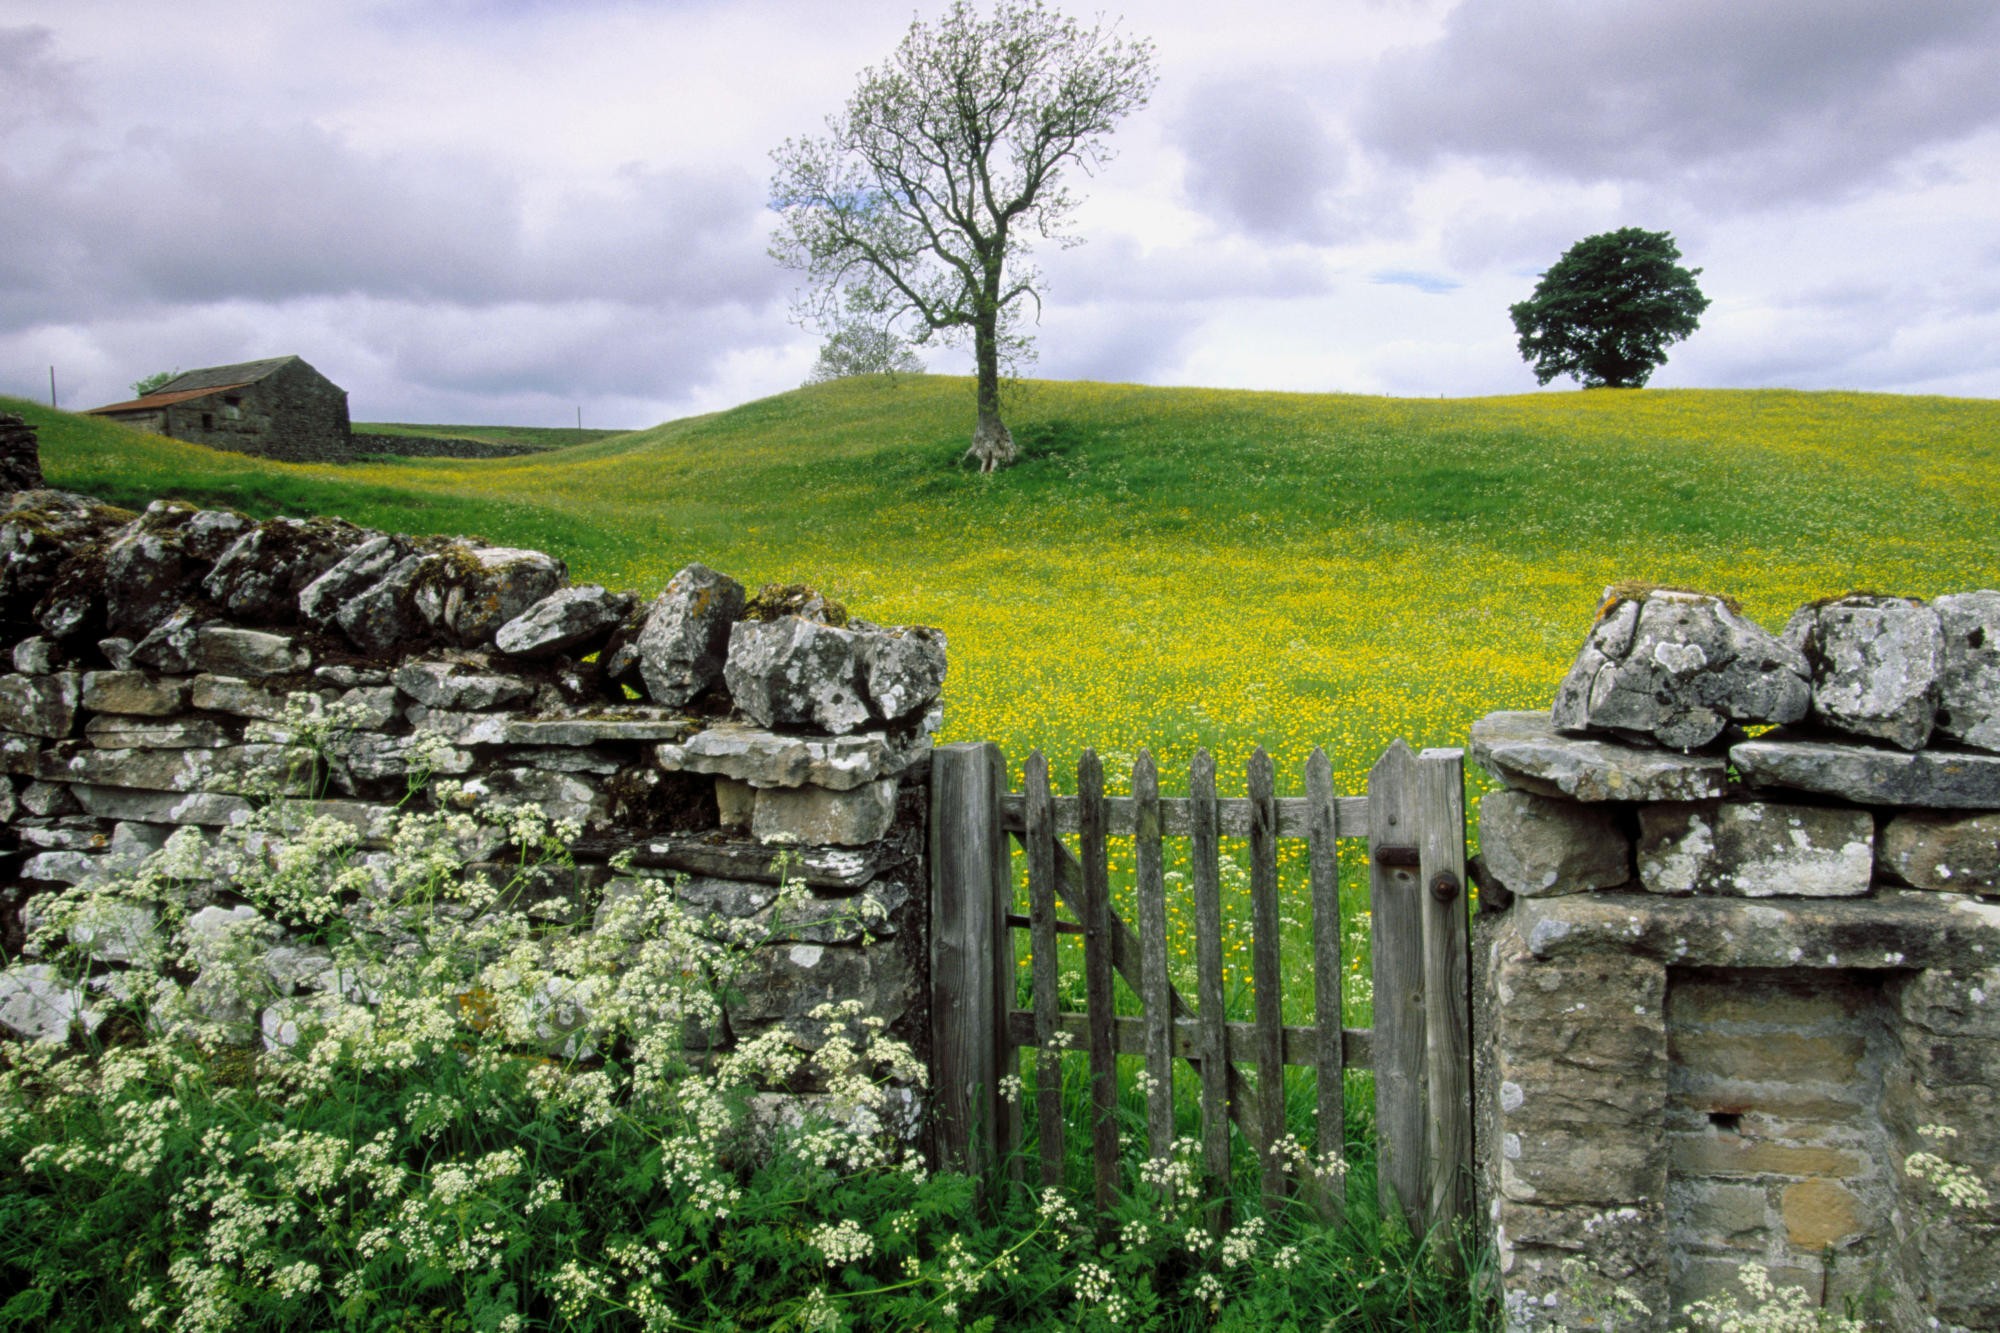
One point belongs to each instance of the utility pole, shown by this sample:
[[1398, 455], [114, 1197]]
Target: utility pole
[[579, 416], [52, 386]]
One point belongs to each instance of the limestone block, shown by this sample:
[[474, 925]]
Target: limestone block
[[474, 590], [146, 571], [293, 968], [735, 803], [113, 731], [1676, 668], [745, 910], [261, 574], [225, 650], [1955, 1004], [385, 615], [450, 685], [1969, 689], [1721, 1215], [232, 770], [37, 1003], [364, 564], [36, 655], [343, 676], [369, 757], [239, 698], [1866, 775], [154, 807], [556, 795], [623, 723], [1560, 1164], [282, 1022], [136, 693], [19, 754], [1756, 850], [8, 805], [1876, 663], [765, 758], [1534, 845], [568, 619], [118, 652], [169, 646], [113, 930], [1934, 851], [40, 705], [686, 636], [39, 530], [461, 728], [48, 799], [373, 707], [1820, 1214], [783, 983], [1524, 751], [902, 668], [793, 672], [818, 816], [215, 932]]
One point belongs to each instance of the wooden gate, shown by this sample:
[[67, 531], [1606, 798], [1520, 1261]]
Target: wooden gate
[[1419, 1047]]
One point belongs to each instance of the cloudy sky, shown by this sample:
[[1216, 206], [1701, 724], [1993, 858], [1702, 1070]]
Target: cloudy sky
[[501, 210]]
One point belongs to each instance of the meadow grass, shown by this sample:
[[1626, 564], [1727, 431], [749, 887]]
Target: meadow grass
[[1184, 568], [544, 437]]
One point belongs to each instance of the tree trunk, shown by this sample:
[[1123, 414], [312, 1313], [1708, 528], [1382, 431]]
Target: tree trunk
[[992, 442]]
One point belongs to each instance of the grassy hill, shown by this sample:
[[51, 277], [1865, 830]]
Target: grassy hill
[[540, 437], [1183, 567]]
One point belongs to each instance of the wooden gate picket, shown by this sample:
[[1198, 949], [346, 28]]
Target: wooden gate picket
[[1419, 1048]]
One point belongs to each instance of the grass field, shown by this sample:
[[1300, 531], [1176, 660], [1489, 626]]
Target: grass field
[[1178, 568], [1183, 567], [542, 437]]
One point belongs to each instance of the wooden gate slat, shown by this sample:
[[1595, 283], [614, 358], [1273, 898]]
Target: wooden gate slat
[[1447, 991], [1042, 969], [1323, 870], [1399, 989], [1153, 958], [1125, 958], [1097, 978], [972, 963], [1266, 974], [1207, 883]]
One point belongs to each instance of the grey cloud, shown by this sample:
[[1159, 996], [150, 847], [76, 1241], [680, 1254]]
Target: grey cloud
[[1118, 268], [1734, 104], [39, 86], [1262, 160], [284, 212]]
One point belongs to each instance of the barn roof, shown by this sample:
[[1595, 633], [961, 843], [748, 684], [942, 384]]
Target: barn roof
[[199, 383], [224, 377], [160, 398]]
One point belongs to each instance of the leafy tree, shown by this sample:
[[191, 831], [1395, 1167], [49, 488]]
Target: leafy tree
[[861, 349], [1606, 313], [142, 387], [916, 210]]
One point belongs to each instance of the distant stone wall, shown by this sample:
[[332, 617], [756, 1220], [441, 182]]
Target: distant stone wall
[[1724, 983], [436, 446], [20, 456], [151, 653]]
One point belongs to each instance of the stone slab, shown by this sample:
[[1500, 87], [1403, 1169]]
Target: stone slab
[[639, 724], [1526, 752], [1932, 851], [1537, 845], [233, 770], [765, 758], [814, 815], [137, 693], [1756, 849], [154, 807], [1942, 779]]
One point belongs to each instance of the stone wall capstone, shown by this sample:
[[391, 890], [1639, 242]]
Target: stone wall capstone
[[1727, 985], [147, 661]]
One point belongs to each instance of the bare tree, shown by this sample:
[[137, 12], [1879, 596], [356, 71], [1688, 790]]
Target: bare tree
[[917, 209]]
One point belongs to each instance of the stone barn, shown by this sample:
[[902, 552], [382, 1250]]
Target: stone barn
[[278, 408]]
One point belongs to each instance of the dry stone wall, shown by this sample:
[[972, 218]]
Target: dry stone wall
[[1727, 985], [147, 661]]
